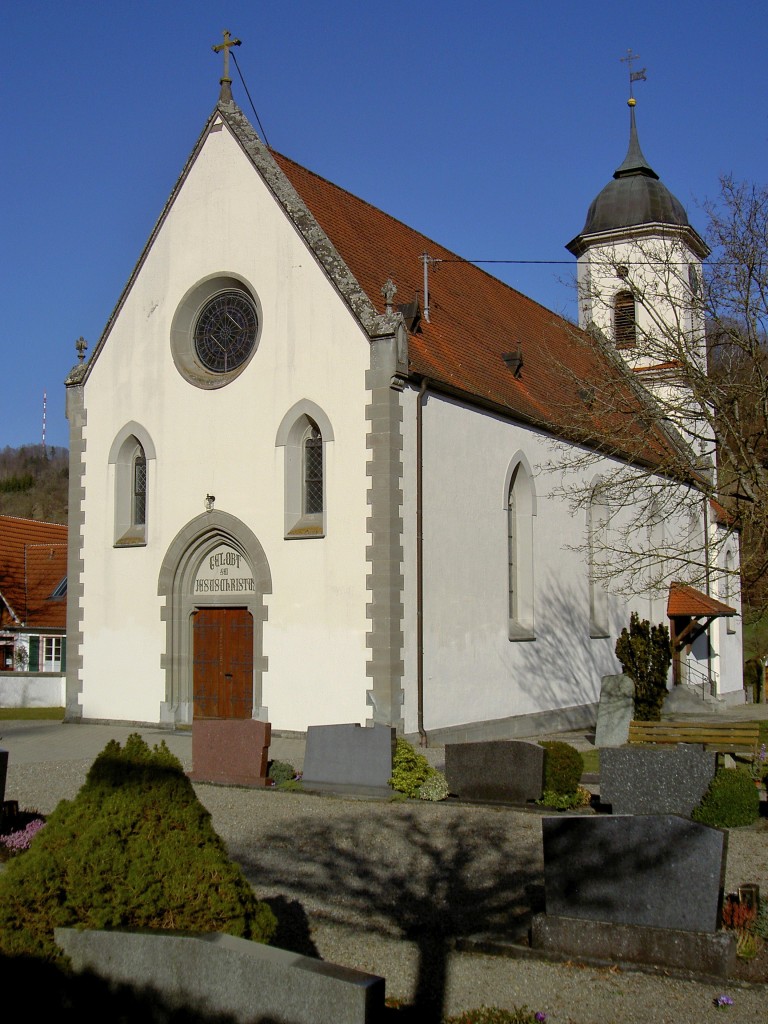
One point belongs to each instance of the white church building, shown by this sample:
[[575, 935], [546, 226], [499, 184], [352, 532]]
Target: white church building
[[306, 483]]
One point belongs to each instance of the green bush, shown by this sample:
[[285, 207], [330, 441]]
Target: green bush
[[434, 788], [731, 800], [566, 801], [281, 771], [563, 767], [134, 849], [645, 655], [409, 769]]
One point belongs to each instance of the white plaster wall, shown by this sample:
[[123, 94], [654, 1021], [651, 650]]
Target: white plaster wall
[[472, 671], [222, 442]]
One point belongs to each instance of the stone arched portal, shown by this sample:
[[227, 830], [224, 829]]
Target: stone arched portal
[[215, 561]]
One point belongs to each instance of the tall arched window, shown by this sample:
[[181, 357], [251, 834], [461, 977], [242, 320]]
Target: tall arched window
[[139, 503], [520, 509], [313, 471], [304, 434], [131, 453], [624, 320], [597, 540]]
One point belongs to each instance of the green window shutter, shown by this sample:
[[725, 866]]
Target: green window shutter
[[63, 654], [34, 654]]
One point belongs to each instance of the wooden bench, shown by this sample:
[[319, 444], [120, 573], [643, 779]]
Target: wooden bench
[[723, 737]]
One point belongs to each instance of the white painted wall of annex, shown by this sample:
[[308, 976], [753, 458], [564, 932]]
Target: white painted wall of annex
[[472, 671], [222, 442]]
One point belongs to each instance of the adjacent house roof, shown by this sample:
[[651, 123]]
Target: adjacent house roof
[[33, 567]]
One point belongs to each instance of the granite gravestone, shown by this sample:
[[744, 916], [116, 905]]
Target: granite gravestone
[[645, 780], [230, 751], [615, 711], [658, 871], [348, 758], [3, 772], [511, 771]]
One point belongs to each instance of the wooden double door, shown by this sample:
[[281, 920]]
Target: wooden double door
[[222, 684]]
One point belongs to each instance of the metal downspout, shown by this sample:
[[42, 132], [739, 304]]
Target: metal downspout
[[423, 741]]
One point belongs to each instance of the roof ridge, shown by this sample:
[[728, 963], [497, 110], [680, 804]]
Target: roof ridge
[[37, 522]]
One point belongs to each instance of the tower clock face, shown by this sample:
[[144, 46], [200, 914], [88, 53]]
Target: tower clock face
[[226, 331]]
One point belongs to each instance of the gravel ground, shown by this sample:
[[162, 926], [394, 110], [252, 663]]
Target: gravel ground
[[387, 888]]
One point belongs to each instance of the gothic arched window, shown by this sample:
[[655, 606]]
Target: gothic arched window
[[520, 509]]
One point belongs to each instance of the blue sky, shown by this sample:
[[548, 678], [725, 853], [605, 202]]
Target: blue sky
[[489, 126]]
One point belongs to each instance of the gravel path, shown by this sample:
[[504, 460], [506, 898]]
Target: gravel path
[[387, 888]]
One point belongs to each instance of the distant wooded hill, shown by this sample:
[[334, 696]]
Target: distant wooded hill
[[33, 483]]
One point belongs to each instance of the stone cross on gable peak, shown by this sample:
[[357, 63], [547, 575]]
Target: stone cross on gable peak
[[225, 46]]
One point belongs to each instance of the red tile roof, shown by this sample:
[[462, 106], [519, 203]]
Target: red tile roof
[[687, 601], [33, 562], [474, 320]]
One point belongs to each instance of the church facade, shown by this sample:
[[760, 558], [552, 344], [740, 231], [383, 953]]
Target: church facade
[[306, 479]]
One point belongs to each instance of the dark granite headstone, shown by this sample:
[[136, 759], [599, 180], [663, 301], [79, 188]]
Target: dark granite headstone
[[231, 751], [3, 772], [615, 711], [661, 871], [511, 771], [645, 780], [350, 757]]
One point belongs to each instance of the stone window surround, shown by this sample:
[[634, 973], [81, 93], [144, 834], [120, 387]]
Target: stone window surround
[[122, 456], [291, 435]]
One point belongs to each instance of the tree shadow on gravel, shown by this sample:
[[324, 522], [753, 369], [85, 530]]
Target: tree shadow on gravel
[[422, 877]]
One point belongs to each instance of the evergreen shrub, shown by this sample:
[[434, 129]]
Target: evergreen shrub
[[134, 849], [563, 767], [281, 771], [645, 655], [409, 769], [731, 800], [434, 788]]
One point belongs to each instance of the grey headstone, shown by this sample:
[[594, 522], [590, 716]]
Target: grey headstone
[[660, 871], [353, 756], [220, 975], [3, 772], [645, 780], [615, 711], [507, 770]]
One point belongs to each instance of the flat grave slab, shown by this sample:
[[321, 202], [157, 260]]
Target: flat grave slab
[[509, 771], [659, 871]]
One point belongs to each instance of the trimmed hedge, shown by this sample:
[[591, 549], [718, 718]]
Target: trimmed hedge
[[732, 800], [563, 767]]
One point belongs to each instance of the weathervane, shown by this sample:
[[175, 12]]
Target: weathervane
[[634, 76], [228, 41]]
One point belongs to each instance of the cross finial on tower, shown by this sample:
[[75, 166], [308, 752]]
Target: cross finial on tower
[[81, 345], [634, 76]]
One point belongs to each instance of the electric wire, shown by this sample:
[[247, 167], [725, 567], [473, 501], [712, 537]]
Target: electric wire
[[253, 108]]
